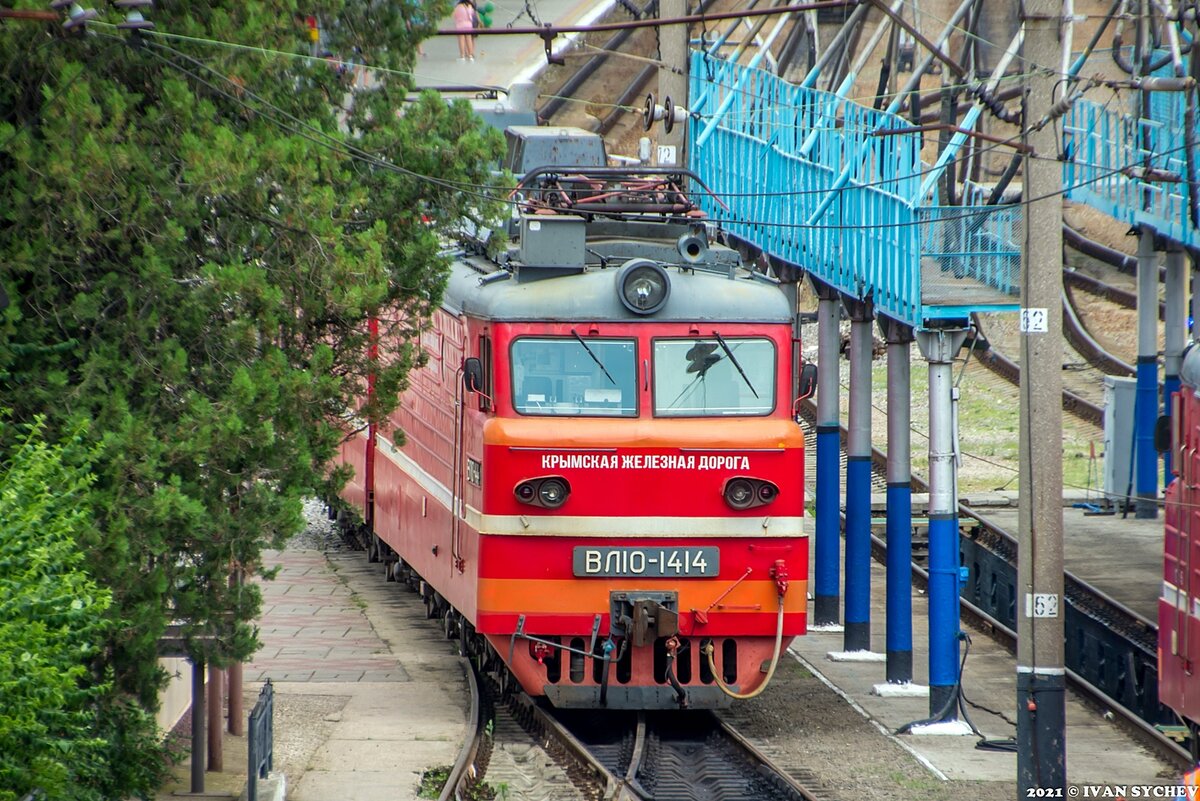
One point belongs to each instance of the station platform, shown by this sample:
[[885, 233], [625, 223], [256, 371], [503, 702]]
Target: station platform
[[503, 60], [1098, 751], [368, 693], [1118, 554]]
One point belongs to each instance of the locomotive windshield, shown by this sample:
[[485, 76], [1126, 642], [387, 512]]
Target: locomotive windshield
[[714, 377], [571, 375]]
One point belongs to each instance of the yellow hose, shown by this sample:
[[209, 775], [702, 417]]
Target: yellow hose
[[712, 666]]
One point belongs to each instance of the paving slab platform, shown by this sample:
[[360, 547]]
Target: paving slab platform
[[369, 694], [1098, 750]]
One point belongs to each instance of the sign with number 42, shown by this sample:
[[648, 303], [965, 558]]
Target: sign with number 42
[[1034, 321]]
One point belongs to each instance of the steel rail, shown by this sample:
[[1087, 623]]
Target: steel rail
[[752, 750], [1005, 367], [1122, 297], [709, 740], [572, 84], [461, 776], [1086, 345]]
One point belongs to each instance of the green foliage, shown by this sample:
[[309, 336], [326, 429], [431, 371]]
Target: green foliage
[[432, 782], [192, 238], [56, 704]]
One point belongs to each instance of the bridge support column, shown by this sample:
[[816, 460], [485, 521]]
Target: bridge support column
[[898, 625], [858, 480], [938, 348], [828, 533], [1175, 325], [1146, 399], [1194, 322]]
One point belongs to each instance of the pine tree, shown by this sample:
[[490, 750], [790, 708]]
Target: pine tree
[[192, 235]]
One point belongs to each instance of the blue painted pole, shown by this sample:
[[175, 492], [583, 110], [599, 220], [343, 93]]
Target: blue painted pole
[[858, 482], [1146, 397], [1175, 331], [939, 348], [898, 615], [827, 548]]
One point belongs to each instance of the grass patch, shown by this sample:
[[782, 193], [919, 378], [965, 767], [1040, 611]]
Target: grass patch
[[989, 427], [432, 782]]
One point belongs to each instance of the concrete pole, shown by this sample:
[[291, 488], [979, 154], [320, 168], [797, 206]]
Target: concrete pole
[[858, 481], [899, 501], [827, 547], [198, 714], [673, 74], [216, 755], [938, 347], [1041, 703], [1146, 400], [1175, 324]]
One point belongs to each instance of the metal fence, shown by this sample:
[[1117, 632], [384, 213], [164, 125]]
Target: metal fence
[[261, 739], [1131, 168], [970, 256], [832, 187]]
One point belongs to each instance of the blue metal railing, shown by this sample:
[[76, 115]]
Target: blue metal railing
[[779, 151], [261, 740], [1108, 155]]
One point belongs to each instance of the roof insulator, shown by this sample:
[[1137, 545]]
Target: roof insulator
[[134, 21], [77, 15]]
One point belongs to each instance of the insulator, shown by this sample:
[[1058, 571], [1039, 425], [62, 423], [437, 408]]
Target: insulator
[[998, 109], [77, 15]]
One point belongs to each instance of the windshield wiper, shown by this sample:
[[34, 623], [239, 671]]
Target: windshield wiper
[[575, 334], [733, 359]]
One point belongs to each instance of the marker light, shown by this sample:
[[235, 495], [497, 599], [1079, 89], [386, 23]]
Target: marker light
[[741, 492], [549, 493], [552, 493], [643, 286]]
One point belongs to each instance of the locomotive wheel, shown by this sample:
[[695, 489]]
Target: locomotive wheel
[[372, 547]]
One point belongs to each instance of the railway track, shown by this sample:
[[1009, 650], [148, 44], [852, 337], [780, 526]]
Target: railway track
[[521, 749], [528, 752], [1083, 395]]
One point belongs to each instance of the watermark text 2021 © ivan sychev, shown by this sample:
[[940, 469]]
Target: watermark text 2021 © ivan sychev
[[1116, 791]]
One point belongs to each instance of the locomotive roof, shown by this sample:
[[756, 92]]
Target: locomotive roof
[[477, 288]]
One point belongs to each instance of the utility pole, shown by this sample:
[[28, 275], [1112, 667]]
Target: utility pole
[[1041, 678], [673, 79]]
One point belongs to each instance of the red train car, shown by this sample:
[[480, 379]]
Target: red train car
[[1179, 605], [601, 483]]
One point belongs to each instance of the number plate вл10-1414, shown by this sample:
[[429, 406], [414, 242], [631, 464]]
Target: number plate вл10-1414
[[654, 562]]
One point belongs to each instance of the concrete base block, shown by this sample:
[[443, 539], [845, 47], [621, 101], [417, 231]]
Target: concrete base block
[[945, 728], [272, 788], [855, 656], [905, 690]]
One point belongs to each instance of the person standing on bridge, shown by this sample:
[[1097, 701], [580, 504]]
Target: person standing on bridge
[[465, 18]]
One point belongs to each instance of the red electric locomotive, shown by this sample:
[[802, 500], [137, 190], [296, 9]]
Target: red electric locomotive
[[602, 481], [1179, 605]]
